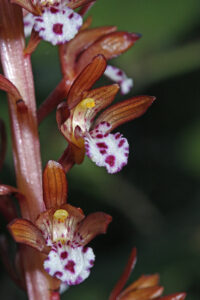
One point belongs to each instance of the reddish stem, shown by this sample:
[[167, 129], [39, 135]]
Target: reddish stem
[[26, 147], [57, 95]]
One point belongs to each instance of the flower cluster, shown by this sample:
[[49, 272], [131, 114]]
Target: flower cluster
[[59, 231]]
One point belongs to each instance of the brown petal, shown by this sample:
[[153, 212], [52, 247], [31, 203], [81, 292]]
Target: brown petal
[[110, 45], [102, 96], [176, 296], [93, 225], [143, 282], [86, 79], [125, 275], [32, 43], [76, 3], [125, 111], [24, 231], [143, 294], [70, 50], [27, 4], [7, 86], [73, 211], [54, 185], [3, 143]]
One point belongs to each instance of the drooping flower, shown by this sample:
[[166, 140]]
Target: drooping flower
[[146, 287], [77, 122], [62, 231]]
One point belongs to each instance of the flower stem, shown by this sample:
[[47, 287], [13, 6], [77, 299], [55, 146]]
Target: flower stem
[[26, 147]]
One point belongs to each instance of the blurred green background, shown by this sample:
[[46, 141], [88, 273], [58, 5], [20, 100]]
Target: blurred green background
[[155, 200]]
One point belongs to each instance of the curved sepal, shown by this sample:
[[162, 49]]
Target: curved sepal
[[25, 232], [176, 296], [70, 51], [54, 185], [86, 79], [125, 111], [125, 275], [110, 45], [9, 190], [77, 3], [144, 293], [93, 225]]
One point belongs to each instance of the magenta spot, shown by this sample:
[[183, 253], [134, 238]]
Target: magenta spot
[[85, 249], [47, 270], [103, 152], [110, 160], [70, 266], [38, 20], [53, 10], [71, 16], [78, 280], [126, 154], [58, 274], [105, 135], [64, 255], [99, 136], [59, 245], [92, 262], [121, 143], [102, 145], [117, 136], [57, 28], [119, 73]]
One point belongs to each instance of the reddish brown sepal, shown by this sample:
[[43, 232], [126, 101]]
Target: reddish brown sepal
[[25, 232], [77, 3], [110, 45], [125, 111], [70, 51], [27, 4], [86, 79], [125, 275], [143, 294], [32, 43], [176, 296], [6, 190], [54, 185], [93, 225]]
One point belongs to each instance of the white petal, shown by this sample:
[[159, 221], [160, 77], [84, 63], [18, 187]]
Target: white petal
[[120, 77], [28, 24], [70, 265], [107, 150], [57, 25]]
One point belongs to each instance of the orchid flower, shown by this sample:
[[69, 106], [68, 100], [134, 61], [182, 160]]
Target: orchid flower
[[77, 54], [77, 122], [55, 21], [146, 287], [62, 231]]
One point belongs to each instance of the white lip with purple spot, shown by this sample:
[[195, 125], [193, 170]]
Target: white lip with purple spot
[[106, 149], [69, 264]]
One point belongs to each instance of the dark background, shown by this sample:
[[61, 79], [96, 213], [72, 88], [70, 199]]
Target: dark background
[[155, 200]]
